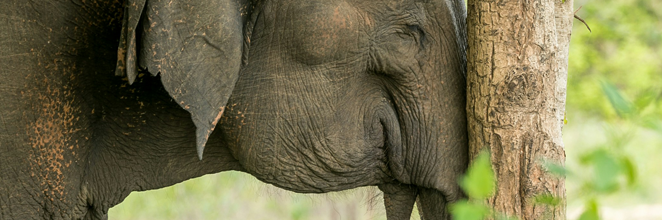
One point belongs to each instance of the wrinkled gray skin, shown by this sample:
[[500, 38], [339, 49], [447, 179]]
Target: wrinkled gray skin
[[103, 98]]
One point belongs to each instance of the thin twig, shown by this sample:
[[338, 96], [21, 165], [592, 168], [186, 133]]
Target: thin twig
[[582, 20]]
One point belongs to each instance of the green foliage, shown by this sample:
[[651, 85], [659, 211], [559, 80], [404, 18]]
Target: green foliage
[[299, 212], [623, 107], [547, 199], [469, 210], [590, 212], [606, 170], [614, 82], [609, 167], [625, 47], [556, 169], [478, 182]]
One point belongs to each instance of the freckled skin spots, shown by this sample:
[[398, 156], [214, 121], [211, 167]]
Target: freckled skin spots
[[51, 136]]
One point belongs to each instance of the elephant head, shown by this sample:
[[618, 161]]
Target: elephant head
[[317, 95], [309, 95]]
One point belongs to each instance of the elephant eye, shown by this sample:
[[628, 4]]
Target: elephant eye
[[418, 33]]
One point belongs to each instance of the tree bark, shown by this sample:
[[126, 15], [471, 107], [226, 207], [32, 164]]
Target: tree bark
[[516, 84]]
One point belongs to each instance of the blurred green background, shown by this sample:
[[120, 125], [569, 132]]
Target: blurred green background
[[614, 107]]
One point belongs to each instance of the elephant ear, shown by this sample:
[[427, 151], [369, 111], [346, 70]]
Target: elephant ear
[[195, 45]]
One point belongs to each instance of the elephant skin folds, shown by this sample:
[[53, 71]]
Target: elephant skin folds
[[102, 98]]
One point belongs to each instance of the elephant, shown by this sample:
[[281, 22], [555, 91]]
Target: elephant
[[103, 98]]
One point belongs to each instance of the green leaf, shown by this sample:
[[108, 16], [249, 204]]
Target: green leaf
[[478, 182], [555, 169], [622, 107], [606, 171], [651, 122], [547, 199], [645, 99], [630, 170], [465, 210], [590, 212], [565, 119]]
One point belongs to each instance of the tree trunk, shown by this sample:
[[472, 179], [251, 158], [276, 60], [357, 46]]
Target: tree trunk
[[516, 83]]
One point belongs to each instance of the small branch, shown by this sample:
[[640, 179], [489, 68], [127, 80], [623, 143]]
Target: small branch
[[582, 20]]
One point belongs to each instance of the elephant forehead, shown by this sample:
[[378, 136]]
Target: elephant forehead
[[324, 31]]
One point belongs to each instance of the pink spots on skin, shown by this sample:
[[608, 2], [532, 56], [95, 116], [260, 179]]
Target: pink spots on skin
[[52, 126], [50, 136], [218, 117]]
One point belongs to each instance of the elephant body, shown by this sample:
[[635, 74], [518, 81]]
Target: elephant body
[[102, 98]]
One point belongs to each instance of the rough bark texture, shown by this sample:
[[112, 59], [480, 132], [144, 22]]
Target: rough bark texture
[[516, 83]]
